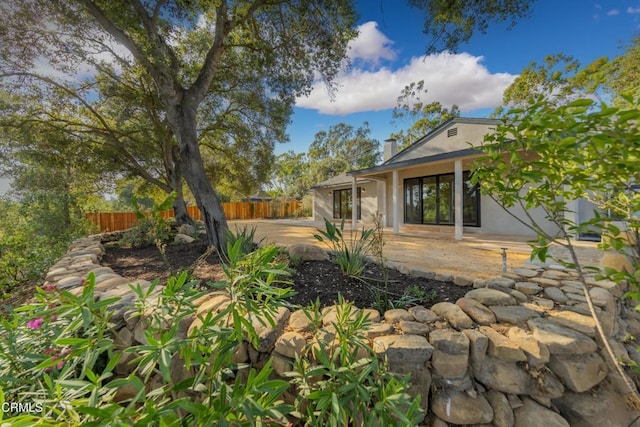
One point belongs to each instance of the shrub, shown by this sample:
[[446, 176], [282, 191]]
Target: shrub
[[340, 380], [60, 353], [350, 253]]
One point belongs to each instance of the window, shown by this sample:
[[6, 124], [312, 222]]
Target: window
[[343, 203], [430, 200]]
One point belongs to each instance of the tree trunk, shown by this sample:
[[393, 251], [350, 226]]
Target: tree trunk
[[194, 174], [174, 179]]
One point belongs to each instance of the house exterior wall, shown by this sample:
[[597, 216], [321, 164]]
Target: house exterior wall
[[493, 218], [323, 201], [467, 133], [5, 185]]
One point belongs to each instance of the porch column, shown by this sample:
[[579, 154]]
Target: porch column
[[459, 217], [396, 204], [354, 205]]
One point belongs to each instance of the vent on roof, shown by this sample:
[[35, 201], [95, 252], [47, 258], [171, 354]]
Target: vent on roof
[[452, 132]]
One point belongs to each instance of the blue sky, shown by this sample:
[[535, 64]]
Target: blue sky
[[389, 54]]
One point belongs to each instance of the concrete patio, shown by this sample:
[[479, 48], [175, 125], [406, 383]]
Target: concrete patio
[[477, 256]]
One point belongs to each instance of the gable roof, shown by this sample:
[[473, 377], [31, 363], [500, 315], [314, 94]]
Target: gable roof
[[339, 180], [437, 131]]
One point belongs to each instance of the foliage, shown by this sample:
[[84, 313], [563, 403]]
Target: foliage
[[152, 228], [547, 156], [452, 23], [234, 59], [60, 351], [340, 380], [245, 237], [350, 252], [423, 117], [32, 238]]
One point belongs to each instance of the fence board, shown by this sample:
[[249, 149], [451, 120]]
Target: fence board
[[115, 221]]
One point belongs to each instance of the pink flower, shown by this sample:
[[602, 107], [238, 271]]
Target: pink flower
[[49, 288], [35, 323]]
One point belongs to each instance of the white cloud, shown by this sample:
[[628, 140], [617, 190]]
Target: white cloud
[[613, 12], [633, 10], [459, 79], [371, 45]]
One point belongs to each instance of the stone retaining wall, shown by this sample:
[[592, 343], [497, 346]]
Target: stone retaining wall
[[517, 350]]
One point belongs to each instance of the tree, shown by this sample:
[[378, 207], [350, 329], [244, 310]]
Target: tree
[[424, 117], [182, 48], [341, 149], [450, 23], [547, 155], [290, 175]]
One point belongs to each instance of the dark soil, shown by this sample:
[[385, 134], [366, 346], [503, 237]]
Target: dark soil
[[311, 280]]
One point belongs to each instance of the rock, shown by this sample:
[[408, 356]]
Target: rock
[[502, 411], [212, 305], [403, 349], [478, 344], [579, 372], [299, 322], [616, 261], [441, 277], [603, 298], [525, 272], [531, 414], [187, 229], [372, 314], [70, 282], [267, 334], [556, 294], [281, 365], [463, 281], [544, 303], [379, 329], [180, 239], [537, 354], [578, 322], [545, 283], [420, 272], [304, 252], [502, 281], [616, 289], [453, 314], [513, 314], [561, 340], [456, 407], [599, 407], [414, 328], [554, 274], [490, 297], [506, 377], [422, 314], [528, 288], [480, 313], [450, 357], [397, 314], [501, 347], [111, 283], [291, 344]]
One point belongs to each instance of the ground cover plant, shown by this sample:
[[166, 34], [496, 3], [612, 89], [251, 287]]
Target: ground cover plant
[[61, 350]]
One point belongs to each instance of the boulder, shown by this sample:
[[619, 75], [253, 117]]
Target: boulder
[[453, 314], [480, 313], [559, 339], [457, 407], [579, 372], [450, 357], [531, 414], [304, 252], [490, 297]]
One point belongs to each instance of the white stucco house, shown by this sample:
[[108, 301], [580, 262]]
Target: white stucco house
[[427, 186], [5, 184]]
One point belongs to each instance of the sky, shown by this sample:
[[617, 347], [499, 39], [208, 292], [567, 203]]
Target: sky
[[388, 54]]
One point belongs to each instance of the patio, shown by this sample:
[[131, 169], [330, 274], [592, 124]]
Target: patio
[[476, 256]]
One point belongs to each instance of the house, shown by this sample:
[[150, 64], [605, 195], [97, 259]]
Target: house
[[5, 184], [427, 186]]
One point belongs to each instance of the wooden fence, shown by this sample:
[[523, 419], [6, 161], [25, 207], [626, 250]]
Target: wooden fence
[[114, 221]]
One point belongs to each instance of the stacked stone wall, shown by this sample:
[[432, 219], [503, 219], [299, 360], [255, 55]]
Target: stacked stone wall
[[518, 350]]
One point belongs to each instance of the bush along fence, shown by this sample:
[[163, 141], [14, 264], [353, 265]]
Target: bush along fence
[[115, 221], [519, 349]]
